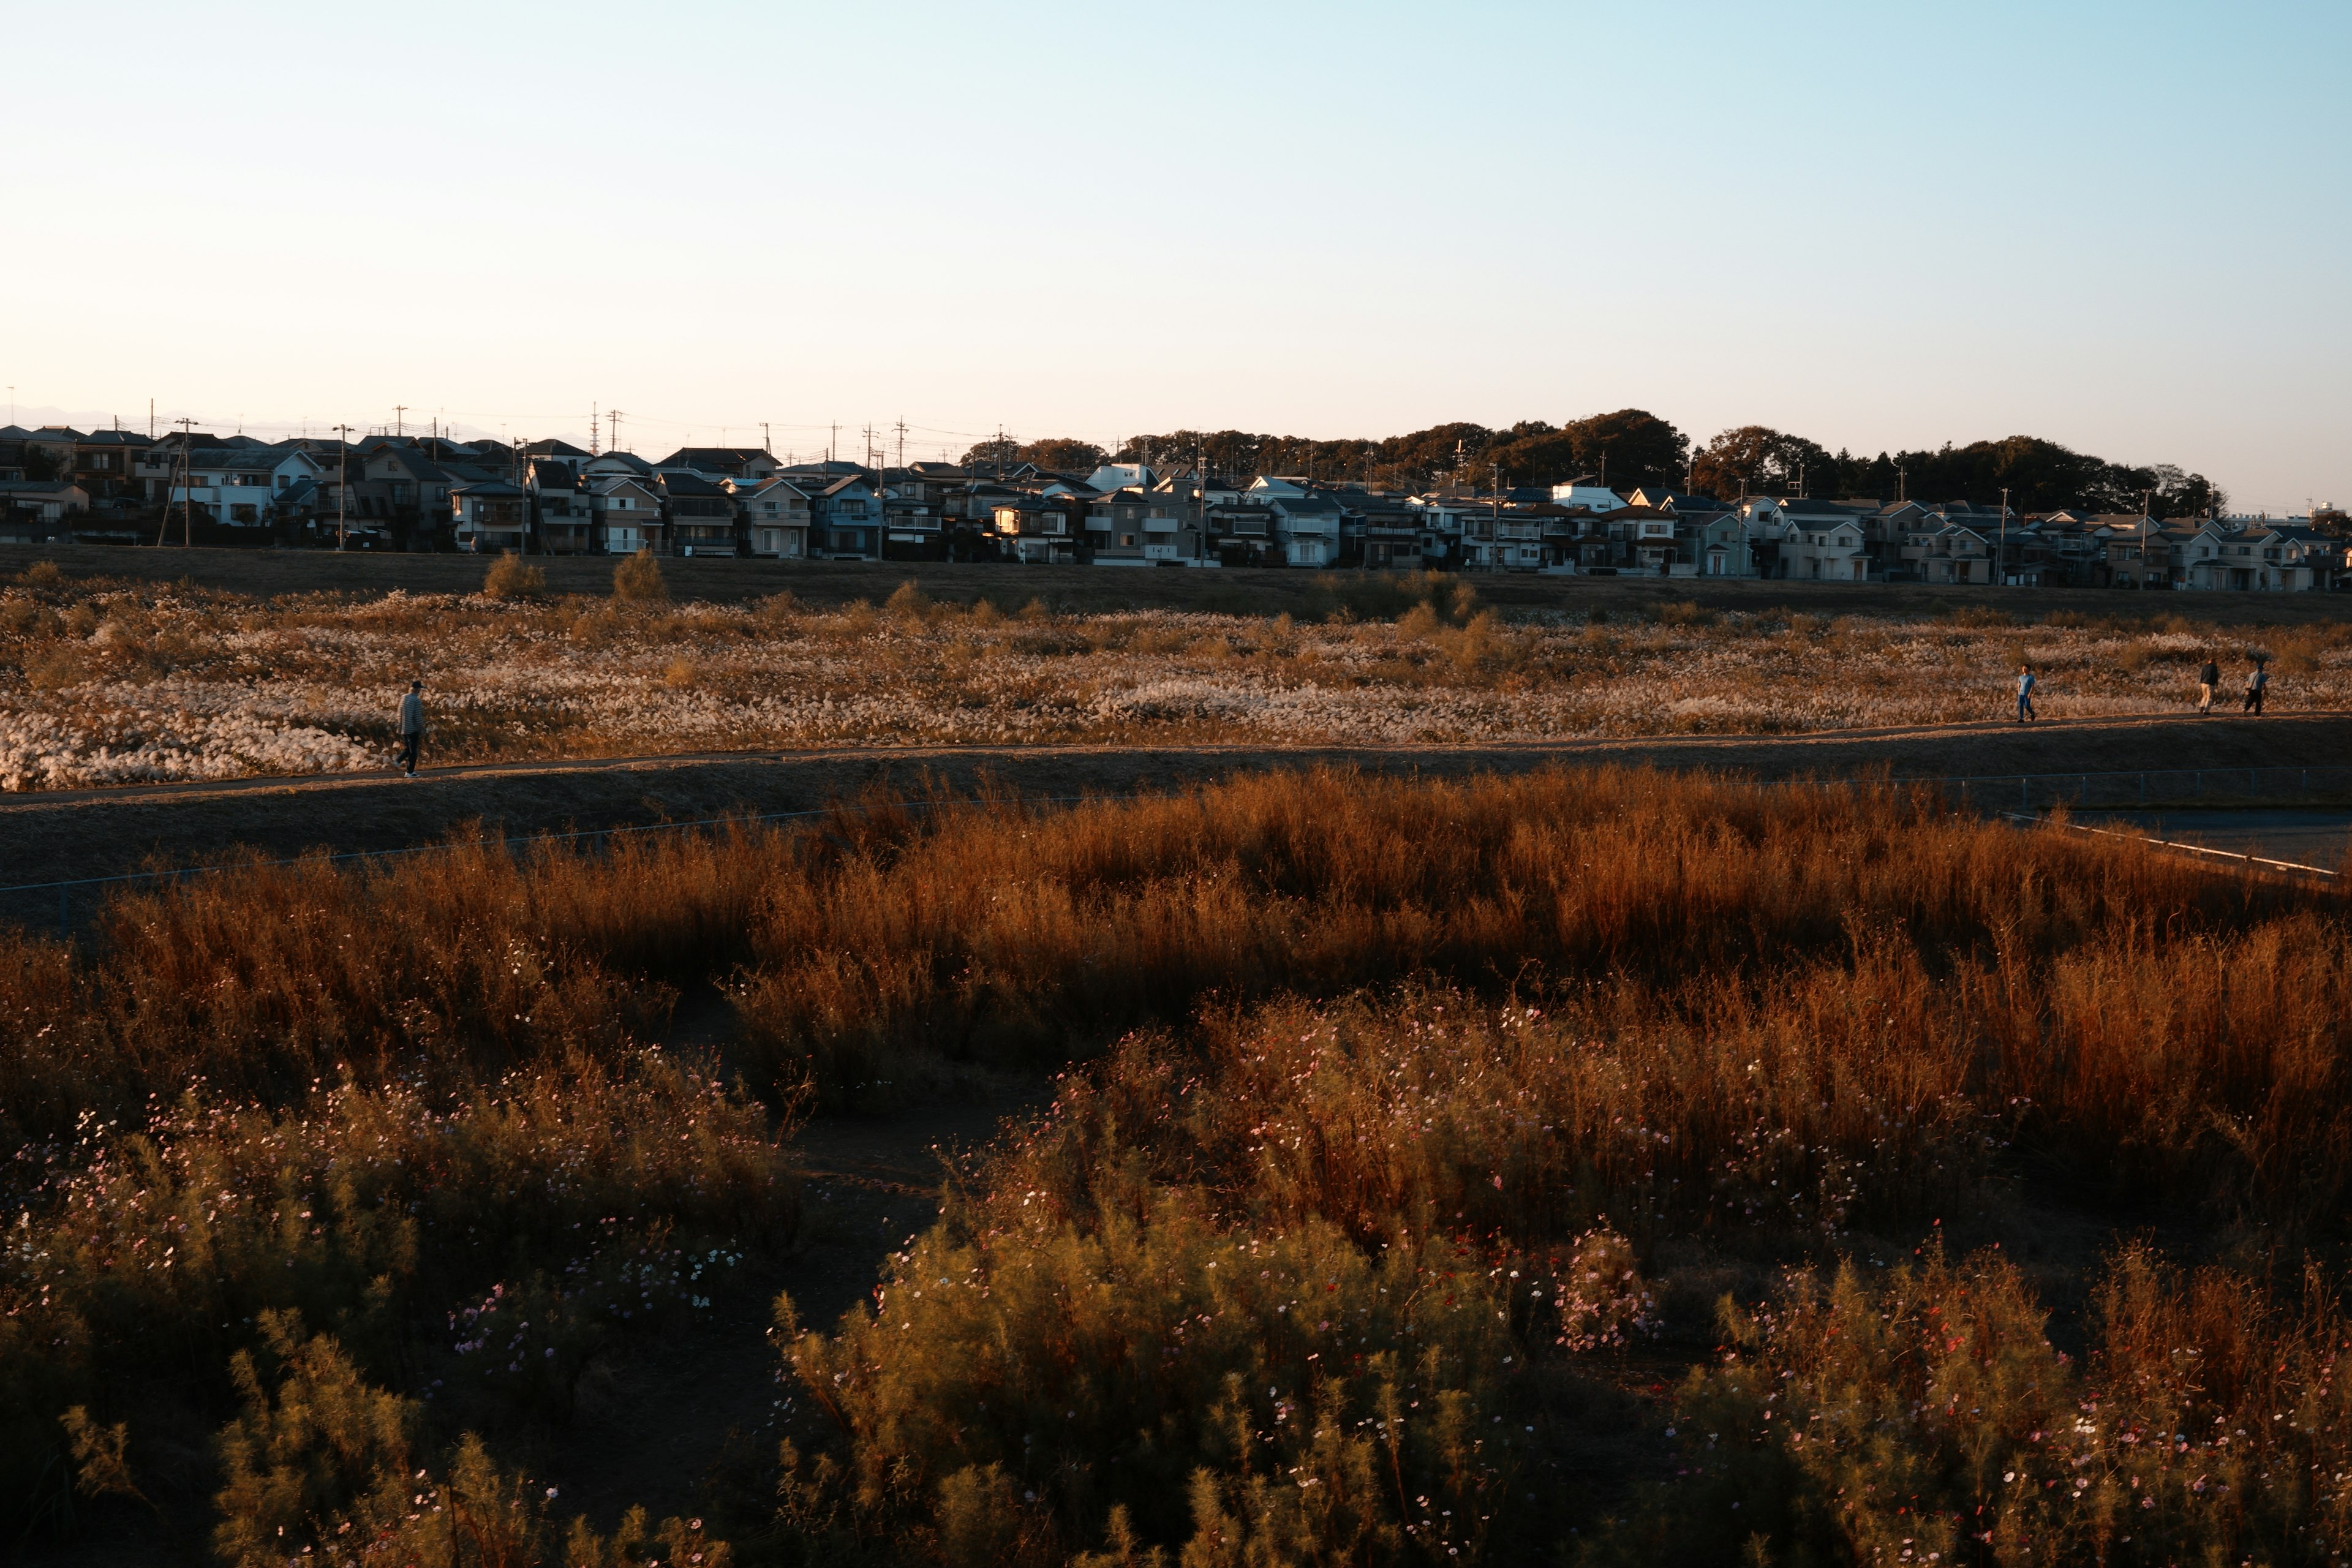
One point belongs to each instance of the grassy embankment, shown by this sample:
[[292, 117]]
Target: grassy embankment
[[1412, 1129]]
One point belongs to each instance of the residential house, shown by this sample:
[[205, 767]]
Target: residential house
[[912, 528], [33, 510], [1654, 543], [627, 513], [2122, 550], [1586, 491], [563, 511], [240, 486], [1122, 477], [52, 447], [1388, 530], [700, 513], [105, 464], [489, 516], [1719, 544], [1818, 541], [1957, 552], [846, 520], [1444, 520], [1033, 530], [2262, 558], [744, 465], [1308, 529], [775, 519], [398, 483], [1244, 534], [1113, 524]]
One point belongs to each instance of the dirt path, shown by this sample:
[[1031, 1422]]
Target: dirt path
[[47, 837]]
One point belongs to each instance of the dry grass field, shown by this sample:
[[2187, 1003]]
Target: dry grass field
[[119, 680], [1578, 1166]]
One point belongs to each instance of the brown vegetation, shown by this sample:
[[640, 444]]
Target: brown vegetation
[[1399, 1109]]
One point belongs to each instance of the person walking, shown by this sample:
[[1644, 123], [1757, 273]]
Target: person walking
[[2025, 693], [2207, 679], [2257, 683], [412, 728]]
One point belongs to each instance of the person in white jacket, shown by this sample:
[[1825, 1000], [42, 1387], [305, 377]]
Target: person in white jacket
[[412, 727]]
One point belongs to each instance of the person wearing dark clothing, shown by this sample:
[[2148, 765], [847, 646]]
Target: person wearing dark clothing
[[412, 728], [2256, 684], [2207, 679]]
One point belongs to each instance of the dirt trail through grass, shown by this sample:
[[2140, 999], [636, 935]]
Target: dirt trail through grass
[[96, 833]]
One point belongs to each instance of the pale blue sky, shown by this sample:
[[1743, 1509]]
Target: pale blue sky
[[2120, 226]]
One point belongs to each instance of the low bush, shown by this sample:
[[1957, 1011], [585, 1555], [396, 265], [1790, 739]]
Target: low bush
[[147, 1256], [1156, 1381], [638, 580], [511, 577], [320, 1467], [1923, 1416]]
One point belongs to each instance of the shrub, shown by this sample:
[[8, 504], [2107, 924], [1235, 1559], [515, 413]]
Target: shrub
[[1262, 1396], [910, 603], [638, 580], [1923, 1416], [41, 574], [510, 578], [363, 1209], [320, 1467]]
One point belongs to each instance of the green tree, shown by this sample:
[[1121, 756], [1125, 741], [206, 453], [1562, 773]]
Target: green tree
[[1629, 447], [1755, 459], [1056, 453]]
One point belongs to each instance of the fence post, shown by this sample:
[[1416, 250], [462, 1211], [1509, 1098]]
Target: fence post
[[65, 926], [2142, 789], [2024, 782]]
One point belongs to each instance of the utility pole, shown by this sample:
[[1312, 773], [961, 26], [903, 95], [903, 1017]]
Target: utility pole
[[901, 428], [400, 420], [1494, 510], [2001, 563], [831, 440], [613, 422], [343, 483], [766, 442], [1200, 498], [179, 481], [592, 424], [188, 504], [151, 421]]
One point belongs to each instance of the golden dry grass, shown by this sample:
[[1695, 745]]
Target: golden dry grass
[[1395, 1109]]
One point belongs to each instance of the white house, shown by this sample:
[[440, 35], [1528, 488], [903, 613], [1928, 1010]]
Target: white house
[[238, 485], [1594, 497], [1308, 529], [1122, 477]]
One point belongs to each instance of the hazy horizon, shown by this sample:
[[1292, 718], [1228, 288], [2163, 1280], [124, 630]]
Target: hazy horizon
[[2119, 228]]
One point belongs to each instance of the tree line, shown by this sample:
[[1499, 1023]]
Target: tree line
[[1633, 447]]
